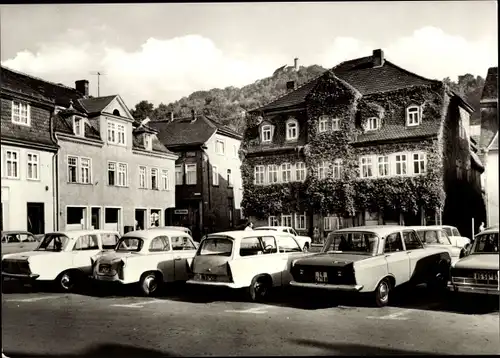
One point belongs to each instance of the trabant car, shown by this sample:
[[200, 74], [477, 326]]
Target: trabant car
[[63, 257], [304, 241], [254, 260], [478, 271], [436, 237], [147, 258], [454, 235], [374, 260], [16, 241], [182, 228]]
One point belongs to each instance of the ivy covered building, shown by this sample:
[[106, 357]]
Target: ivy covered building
[[365, 143]]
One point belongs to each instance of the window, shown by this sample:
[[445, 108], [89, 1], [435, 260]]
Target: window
[[266, 133], [86, 242], [215, 175], [159, 243], [413, 115], [300, 171], [401, 164], [179, 175], [286, 172], [112, 136], [273, 221], [72, 169], [190, 174], [121, 133], [111, 173], [259, 174], [372, 124], [182, 243], [288, 244], [366, 167], [393, 243], [154, 178], [292, 129], [109, 241], [383, 166], [418, 163], [411, 240], [250, 246], [142, 177], [269, 244], [12, 163], [323, 124], [33, 167], [21, 113], [220, 147], [77, 126], [216, 246], [330, 223], [323, 169], [148, 143], [165, 180], [229, 178], [122, 174], [300, 222], [85, 170], [336, 124], [286, 220], [272, 172], [337, 169]]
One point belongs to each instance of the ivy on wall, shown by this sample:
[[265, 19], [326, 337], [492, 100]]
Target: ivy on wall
[[349, 194]]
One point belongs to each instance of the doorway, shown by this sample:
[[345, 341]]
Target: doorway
[[140, 219], [96, 218], [36, 218]]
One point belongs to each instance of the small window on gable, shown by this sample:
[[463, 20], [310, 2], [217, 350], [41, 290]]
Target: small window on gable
[[292, 129], [148, 143], [116, 112], [78, 126], [372, 123], [267, 133], [413, 115]]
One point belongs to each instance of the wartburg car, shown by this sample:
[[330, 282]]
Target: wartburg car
[[254, 260], [62, 257], [374, 260], [455, 237], [432, 236], [148, 258], [478, 271], [304, 241]]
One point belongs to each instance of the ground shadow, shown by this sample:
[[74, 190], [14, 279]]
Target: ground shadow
[[354, 349], [102, 350]]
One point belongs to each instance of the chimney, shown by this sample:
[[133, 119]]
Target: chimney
[[82, 86], [296, 63], [378, 58], [290, 85]]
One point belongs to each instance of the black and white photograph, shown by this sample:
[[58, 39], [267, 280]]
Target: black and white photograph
[[249, 179]]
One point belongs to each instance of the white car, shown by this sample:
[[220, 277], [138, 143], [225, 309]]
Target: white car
[[256, 260], [304, 241], [454, 236], [147, 258], [62, 257]]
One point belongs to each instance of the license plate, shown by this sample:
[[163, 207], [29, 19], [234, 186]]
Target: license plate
[[321, 277], [104, 269], [485, 276], [208, 277]]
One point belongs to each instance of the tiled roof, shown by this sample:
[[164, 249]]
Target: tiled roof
[[156, 144], [395, 131], [490, 89], [96, 105], [63, 124]]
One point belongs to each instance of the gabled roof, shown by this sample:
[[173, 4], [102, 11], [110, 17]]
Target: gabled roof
[[96, 105], [490, 89]]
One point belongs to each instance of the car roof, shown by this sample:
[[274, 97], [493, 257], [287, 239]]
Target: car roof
[[442, 226], [169, 227], [11, 232], [75, 233], [491, 230], [154, 232], [240, 234], [381, 230], [273, 227], [423, 227]]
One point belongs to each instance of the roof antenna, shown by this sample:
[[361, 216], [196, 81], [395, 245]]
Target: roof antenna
[[98, 74]]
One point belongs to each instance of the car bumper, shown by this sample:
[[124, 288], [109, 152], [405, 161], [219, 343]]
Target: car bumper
[[474, 289], [215, 284], [20, 276], [325, 286]]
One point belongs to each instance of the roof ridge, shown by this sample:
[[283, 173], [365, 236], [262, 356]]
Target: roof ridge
[[38, 78], [411, 73]]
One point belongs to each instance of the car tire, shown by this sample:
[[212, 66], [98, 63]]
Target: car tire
[[259, 289], [439, 282], [306, 248], [381, 294], [149, 284], [67, 281]]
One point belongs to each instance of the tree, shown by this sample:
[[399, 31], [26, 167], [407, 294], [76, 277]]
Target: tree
[[142, 110]]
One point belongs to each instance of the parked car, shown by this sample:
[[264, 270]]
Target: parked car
[[63, 257], [304, 241], [181, 228], [16, 241], [372, 259], [147, 258], [454, 235], [478, 271], [436, 237], [254, 260]]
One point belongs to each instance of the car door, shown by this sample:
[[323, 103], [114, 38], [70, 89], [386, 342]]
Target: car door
[[162, 257], [414, 248], [86, 247], [289, 250], [396, 258], [184, 250]]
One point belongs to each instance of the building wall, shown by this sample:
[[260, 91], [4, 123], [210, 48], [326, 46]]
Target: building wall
[[491, 188], [16, 193]]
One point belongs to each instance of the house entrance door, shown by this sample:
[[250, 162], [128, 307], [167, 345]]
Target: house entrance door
[[36, 218]]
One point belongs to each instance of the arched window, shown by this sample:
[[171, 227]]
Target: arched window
[[116, 112], [292, 129]]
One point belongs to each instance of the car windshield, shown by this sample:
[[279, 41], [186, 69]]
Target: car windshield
[[216, 246], [53, 242], [354, 242], [434, 237], [486, 244], [130, 244]]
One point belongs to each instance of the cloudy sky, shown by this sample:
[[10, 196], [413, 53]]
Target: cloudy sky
[[162, 52]]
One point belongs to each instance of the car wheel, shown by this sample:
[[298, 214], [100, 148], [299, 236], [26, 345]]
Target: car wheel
[[259, 289], [149, 284], [382, 293], [306, 248], [439, 282], [67, 281]]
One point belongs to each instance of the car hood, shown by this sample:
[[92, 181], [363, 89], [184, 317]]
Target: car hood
[[331, 259], [479, 261], [26, 255]]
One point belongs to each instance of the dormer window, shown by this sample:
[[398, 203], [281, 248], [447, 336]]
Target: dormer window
[[267, 131], [292, 129], [413, 116], [78, 126], [372, 123], [148, 143], [21, 113]]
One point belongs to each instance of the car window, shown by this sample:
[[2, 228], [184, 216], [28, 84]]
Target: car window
[[448, 231], [53, 242], [216, 246], [109, 241], [430, 237], [182, 243], [26, 238], [411, 240], [159, 243], [455, 232], [269, 244], [129, 243], [251, 246], [293, 232], [13, 238], [86, 242], [486, 243], [393, 242], [288, 244], [359, 242]]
